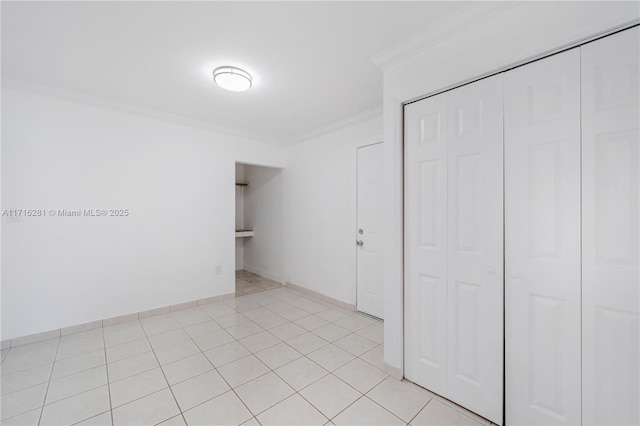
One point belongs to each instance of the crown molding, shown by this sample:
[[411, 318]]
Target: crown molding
[[101, 102], [440, 31], [337, 125]]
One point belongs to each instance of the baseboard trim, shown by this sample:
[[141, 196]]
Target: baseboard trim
[[58, 332], [340, 303]]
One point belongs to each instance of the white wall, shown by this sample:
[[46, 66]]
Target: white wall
[[176, 181], [239, 216], [320, 209], [513, 36], [263, 253]]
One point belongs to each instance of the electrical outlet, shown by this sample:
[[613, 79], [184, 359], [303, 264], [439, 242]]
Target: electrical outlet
[[218, 270]]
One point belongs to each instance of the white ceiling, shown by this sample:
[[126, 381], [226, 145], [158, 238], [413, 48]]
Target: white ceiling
[[310, 60]]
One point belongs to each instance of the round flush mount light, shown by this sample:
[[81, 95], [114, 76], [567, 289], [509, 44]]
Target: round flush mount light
[[232, 78]]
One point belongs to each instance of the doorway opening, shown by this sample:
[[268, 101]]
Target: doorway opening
[[258, 246]]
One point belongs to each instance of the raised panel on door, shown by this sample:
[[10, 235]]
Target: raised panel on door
[[425, 288], [475, 247], [542, 241], [610, 215]]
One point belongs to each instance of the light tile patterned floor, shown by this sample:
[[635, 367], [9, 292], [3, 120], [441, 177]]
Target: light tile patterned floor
[[270, 356]]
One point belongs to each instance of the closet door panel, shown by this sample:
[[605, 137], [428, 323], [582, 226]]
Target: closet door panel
[[475, 248], [610, 229], [542, 241], [426, 243]]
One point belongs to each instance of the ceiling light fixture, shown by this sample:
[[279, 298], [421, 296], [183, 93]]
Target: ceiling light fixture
[[232, 78]]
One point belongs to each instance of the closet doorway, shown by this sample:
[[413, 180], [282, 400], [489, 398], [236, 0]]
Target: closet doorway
[[258, 247]]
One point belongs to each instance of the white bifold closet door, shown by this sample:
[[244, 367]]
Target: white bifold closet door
[[454, 245], [610, 216], [542, 241]]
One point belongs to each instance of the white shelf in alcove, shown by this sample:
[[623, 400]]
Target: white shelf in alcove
[[244, 233]]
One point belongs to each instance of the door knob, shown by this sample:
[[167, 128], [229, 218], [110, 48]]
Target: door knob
[[360, 243]]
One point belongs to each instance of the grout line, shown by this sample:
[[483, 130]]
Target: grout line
[[106, 367], [44, 400]]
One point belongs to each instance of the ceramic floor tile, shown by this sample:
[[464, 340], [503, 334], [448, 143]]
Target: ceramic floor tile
[[366, 412], [131, 366], [232, 320], [137, 386], [174, 421], [259, 341], [332, 315], [239, 372], [159, 324], [25, 378], [354, 344], [301, 373], [122, 333], [77, 408], [76, 383], [258, 312], [176, 351], [245, 329], [169, 338], [189, 317], [373, 332], [25, 419], [374, 357], [19, 359], [103, 419], [22, 401], [295, 411], [218, 311], [278, 355], [77, 364], [361, 375], [331, 332], [401, 399], [127, 350], [225, 354], [294, 314], [454, 406], [223, 410], [251, 422], [270, 321], [186, 368], [199, 389], [287, 331], [263, 392], [330, 357], [213, 340], [203, 328], [79, 346], [307, 342], [354, 322], [330, 395], [311, 322], [151, 409], [437, 413]]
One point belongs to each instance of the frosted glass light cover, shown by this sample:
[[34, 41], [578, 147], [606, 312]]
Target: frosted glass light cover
[[232, 78]]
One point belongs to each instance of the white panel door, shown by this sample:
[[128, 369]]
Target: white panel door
[[369, 263], [610, 215], [425, 289], [542, 241], [475, 247]]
